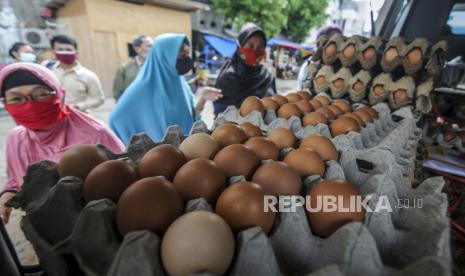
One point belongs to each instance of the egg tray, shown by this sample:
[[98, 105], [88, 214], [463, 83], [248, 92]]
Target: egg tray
[[436, 137], [69, 239]]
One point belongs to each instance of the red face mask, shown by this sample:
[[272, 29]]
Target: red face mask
[[37, 115], [66, 57], [252, 57]]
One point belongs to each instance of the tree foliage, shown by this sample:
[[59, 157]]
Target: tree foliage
[[292, 18]]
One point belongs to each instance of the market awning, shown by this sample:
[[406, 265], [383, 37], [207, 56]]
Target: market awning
[[224, 46], [288, 44]]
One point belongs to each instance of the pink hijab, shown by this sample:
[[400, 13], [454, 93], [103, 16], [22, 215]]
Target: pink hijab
[[25, 146]]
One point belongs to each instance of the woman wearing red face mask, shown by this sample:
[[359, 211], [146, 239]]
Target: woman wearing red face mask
[[244, 74], [46, 126]]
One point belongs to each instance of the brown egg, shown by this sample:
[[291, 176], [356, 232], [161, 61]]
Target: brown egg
[[293, 97], [314, 118], [349, 51], [369, 52], [448, 135], [323, 100], [327, 112], [305, 162], [200, 178], [316, 104], [250, 104], [80, 160], [324, 223], [322, 145], [339, 83], [269, 103], [241, 205], [304, 106], [366, 117], [151, 204], [109, 180], [304, 95], [415, 55], [288, 110], [282, 137], [162, 160], [199, 145], [278, 178], [343, 105], [263, 148], [229, 134], [251, 130], [356, 117], [336, 110], [373, 113], [358, 86], [344, 125], [391, 54], [280, 99], [237, 160], [198, 242]]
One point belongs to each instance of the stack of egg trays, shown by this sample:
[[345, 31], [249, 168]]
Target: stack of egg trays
[[72, 238], [435, 137], [376, 161]]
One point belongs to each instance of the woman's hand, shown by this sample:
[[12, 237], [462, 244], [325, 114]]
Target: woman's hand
[[211, 94], [5, 211]]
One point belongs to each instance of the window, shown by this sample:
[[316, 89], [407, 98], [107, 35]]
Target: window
[[456, 21]]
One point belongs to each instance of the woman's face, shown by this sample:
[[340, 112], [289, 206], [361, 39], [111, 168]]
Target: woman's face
[[255, 42], [23, 93], [23, 49], [185, 51]]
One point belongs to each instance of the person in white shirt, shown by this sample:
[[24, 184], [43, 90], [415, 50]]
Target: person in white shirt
[[82, 86]]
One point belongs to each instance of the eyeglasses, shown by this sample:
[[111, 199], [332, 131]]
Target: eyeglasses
[[39, 96]]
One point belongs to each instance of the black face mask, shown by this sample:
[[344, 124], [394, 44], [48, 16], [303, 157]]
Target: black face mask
[[184, 65]]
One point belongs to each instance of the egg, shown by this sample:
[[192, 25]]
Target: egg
[[304, 106], [162, 160], [280, 99], [151, 203], [322, 145], [198, 242], [448, 134], [323, 222], [250, 104], [370, 110], [323, 100], [305, 162], [293, 97], [356, 117], [314, 118], [343, 105], [339, 83], [327, 112], [344, 125], [316, 104], [237, 160], [80, 160], [269, 103], [282, 137], [241, 205], [278, 178], [109, 180], [229, 134], [336, 110], [251, 130], [263, 147], [208, 182], [199, 145], [304, 95], [288, 110], [366, 117]]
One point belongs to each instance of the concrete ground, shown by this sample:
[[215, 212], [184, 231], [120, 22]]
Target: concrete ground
[[23, 247]]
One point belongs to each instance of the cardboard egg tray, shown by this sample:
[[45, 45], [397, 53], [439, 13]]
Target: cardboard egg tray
[[72, 238]]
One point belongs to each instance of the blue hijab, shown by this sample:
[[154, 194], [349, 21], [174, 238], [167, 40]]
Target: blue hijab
[[158, 97]]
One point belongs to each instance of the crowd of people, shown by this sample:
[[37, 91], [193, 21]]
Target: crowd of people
[[49, 101]]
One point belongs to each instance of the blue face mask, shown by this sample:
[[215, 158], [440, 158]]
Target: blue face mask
[[27, 57]]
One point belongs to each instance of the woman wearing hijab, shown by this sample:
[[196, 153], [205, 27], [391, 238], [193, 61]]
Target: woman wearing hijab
[[46, 127], [243, 75], [160, 96]]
